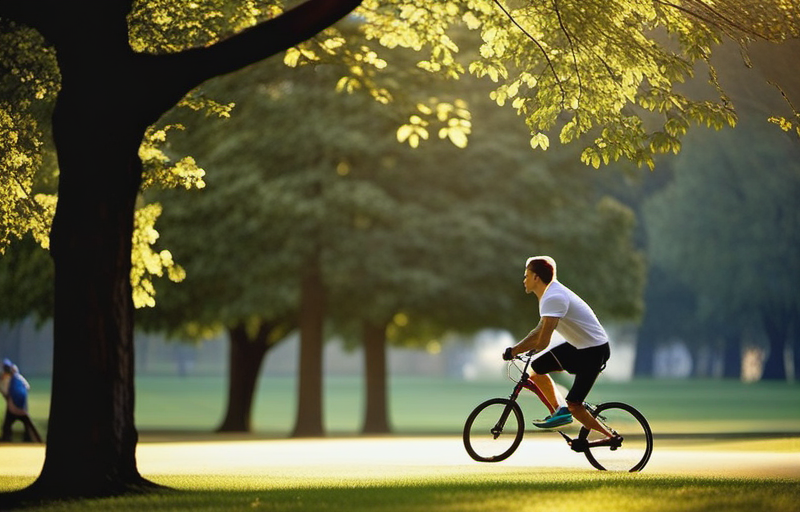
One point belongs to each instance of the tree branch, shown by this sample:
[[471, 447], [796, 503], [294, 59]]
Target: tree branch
[[541, 48], [717, 18], [571, 47], [188, 69]]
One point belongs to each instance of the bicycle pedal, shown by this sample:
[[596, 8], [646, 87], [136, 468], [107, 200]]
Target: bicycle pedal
[[579, 445]]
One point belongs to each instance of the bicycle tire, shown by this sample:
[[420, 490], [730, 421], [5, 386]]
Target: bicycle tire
[[485, 438], [637, 438]]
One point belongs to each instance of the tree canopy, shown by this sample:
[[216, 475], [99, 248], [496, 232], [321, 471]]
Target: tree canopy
[[419, 241], [605, 75], [727, 229]]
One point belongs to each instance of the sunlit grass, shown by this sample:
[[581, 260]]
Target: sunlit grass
[[440, 405], [187, 409], [550, 490]]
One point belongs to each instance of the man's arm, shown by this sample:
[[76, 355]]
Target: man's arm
[[539, 337]]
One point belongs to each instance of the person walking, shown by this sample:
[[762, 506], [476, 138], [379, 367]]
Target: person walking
[[14, 388]]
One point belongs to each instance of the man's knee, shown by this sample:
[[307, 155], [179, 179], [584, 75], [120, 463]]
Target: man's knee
[[575, 406]]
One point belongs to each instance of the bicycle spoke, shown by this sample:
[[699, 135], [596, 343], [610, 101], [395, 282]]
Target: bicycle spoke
[[487, 437], [637, 440]]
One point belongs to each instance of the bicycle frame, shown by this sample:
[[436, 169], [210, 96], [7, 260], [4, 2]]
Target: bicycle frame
[[524, 382], [483, 425]]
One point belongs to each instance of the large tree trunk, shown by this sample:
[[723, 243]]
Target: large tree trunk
[[732, 356], [309, 422], [376, 416], [246, 358], [643, 360], [795, 337], [91, 435]]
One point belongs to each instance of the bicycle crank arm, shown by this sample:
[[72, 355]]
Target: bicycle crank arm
[[581, 445]]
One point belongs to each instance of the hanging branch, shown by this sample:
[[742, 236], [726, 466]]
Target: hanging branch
[[572, 50], [541, 48], [720, 22]]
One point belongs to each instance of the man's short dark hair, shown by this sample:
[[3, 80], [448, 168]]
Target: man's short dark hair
[[542, 268]]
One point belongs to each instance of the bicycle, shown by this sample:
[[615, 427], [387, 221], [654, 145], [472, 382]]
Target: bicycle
[[494, 429]]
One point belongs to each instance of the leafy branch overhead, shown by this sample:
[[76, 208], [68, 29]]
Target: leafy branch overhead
[[605, 74]]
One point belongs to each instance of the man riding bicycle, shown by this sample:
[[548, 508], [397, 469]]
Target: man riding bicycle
[[584, 354]]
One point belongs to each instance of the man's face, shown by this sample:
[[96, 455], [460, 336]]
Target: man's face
[[530, 277]]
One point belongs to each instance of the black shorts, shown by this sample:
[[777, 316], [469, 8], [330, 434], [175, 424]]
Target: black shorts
[[586, 364]]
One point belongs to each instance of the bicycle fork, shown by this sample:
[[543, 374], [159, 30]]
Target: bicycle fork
[[523, 382]]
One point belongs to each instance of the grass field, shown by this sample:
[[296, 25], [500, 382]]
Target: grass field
[[737, 416], [554, 491], [439, 405]]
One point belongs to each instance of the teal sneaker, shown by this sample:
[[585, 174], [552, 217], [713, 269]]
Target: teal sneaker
[[559, 418]]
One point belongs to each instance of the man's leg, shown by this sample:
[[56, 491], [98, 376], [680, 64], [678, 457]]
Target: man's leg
[[31, 434], [584, 381], [552, 398], [586, 419], [7, 422]]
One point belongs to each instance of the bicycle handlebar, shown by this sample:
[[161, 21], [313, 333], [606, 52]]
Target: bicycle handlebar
[[529, 354]]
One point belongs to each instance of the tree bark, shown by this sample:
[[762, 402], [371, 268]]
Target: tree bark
[[246, 358], [796, 345], [777, 327], [732, 356], [309, 422], [376, 415], [643, 360], [92, 405]]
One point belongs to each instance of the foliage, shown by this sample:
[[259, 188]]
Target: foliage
[[735, 233], [29, 81], [26, 277], [604, 75], [167, 26], [300, 169]]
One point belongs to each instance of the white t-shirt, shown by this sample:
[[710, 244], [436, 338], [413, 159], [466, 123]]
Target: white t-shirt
[[577, 322]]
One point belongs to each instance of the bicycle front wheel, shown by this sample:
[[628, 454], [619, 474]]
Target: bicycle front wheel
[[637, 438], [494, 430]]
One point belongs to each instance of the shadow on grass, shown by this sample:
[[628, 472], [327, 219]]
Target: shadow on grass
[[549, 490]]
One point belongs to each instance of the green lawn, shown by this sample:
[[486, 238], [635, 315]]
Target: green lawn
[[185, 408], [436, 405], [554, 491]]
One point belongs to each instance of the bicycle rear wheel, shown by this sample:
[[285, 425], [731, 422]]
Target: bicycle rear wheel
[[637, 438], [494, 430]]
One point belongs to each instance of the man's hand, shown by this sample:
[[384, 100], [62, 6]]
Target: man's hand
[[507, 355]]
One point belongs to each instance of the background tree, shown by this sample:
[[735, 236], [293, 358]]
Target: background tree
[[741, 198], [396, 231]]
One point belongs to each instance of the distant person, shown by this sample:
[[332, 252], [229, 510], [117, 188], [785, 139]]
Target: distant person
[[584, 354], [15, 388]]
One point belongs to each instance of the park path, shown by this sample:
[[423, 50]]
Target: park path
[[402, 457]]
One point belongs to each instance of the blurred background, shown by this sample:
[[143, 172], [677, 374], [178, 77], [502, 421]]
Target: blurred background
[[414, 256]]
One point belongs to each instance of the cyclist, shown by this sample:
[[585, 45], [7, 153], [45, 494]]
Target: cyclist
[[584, 354]]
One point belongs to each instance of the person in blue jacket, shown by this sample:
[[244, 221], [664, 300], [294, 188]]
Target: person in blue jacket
[[14, 388]]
